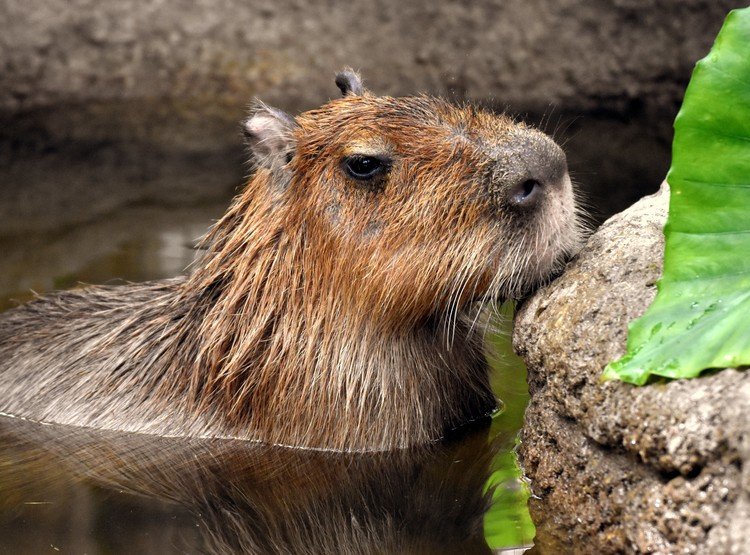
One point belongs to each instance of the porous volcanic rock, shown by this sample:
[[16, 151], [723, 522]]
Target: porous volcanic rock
[[615, 468]]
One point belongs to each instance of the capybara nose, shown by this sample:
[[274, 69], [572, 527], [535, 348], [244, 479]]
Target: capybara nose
[[529, 169]]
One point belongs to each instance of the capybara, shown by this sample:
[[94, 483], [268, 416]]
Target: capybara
[[338, 304]]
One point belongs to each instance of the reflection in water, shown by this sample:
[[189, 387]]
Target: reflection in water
[[224, 496], [43, 507]]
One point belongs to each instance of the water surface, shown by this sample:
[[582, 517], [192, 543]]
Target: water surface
[[83, 491]]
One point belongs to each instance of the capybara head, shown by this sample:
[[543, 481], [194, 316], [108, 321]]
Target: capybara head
[[412, 207]]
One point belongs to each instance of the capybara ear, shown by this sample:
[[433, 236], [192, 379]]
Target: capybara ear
[[269, 132], [349, 82]]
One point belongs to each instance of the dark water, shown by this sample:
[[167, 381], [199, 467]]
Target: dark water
[[80, 491], [85, 491]]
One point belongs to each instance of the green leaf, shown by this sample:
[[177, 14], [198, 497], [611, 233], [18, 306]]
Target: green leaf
[[700, 318]]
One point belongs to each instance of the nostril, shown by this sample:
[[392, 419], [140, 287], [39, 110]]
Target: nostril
[[529, 186], [526, 193]]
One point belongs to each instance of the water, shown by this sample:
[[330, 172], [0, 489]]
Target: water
[[83, 491], [88, 491], [131, 244]]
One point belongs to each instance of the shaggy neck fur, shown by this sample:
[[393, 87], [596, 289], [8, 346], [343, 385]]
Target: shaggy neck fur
[[284, 357]]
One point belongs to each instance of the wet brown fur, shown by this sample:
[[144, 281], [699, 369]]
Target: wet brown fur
[[325, 312]]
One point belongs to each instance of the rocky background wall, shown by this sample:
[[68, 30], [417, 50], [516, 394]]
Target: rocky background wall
[[104, 103]]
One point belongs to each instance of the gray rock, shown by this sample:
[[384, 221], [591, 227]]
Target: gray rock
[[521, 52], [613, 467]]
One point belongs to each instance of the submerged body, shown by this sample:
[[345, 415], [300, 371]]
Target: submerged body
[[337, 303]]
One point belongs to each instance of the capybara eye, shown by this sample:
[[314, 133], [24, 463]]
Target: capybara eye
[[364, 167]]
